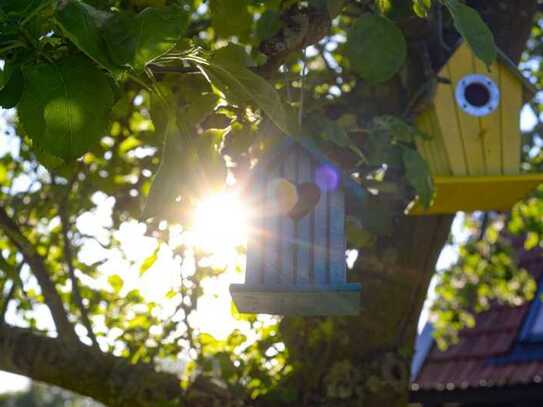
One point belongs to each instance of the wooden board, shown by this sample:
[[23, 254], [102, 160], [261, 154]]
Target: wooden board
[[336, 222], [485, 193], [511, 102], [255, 238], [340, 299], [304, 242], [271, 232], [320, 241], [287, 230], [444, 165], [432, 149], [490, 125], [460, 65], [447, 115]]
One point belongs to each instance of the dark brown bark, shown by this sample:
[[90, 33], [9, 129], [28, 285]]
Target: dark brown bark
[[85, 370]]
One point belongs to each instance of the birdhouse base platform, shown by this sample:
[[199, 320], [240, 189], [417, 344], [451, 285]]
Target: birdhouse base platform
[[338, 299], [484, 193]]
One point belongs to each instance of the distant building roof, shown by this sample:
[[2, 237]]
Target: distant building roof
[[505, 348]]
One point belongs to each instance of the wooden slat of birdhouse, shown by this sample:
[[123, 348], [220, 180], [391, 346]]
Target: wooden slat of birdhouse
[[447, 114], [461, 65], [304, 253], [288, 230], [432, 149], [255, 238], [271, 231], [336, 220], [511, 102], [424, 146], [320, 240], [443, 164], [490, 125]]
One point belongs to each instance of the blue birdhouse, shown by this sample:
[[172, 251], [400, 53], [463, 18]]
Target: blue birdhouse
[[296, 261]]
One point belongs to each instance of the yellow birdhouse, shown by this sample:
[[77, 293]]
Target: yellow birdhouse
[[475, 147]]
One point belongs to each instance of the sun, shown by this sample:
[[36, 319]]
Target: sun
[[220, 224]]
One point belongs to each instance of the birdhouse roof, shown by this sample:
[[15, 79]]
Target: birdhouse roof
[[503, 349], [277, 153], [529, 90]]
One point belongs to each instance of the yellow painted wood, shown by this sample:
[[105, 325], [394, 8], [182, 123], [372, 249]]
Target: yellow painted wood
[[484, 193], [447, 117], [437, 139], [511, 102], [460, 65], [424, 146], [490, 125]]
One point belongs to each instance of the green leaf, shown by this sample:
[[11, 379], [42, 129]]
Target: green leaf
[[473, 29], [400, 131], [422, 7], [11, 92], [172, 175], [82, 23], [231, 18], [139, 40], [268, 24], [116, 282], [376, 48], [418, 175], [383, 6], [149, 261], [357, 236], [233, 54], [240, 85], [19, 6], [65, 106]]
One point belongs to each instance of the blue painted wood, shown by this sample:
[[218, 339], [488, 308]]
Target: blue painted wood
[[320, 241], [336, 221], [303, 227], [271, 232], [296, 267], [288, 236], [338, 299], [255, 238]]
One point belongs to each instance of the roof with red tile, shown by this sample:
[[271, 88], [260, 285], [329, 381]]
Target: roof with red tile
[[490, 354]]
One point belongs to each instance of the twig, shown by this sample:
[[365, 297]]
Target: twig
[[302, 86], [63, 212]]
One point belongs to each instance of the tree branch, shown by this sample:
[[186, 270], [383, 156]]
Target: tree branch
[[37, 264], [106, 378], [300, 29]]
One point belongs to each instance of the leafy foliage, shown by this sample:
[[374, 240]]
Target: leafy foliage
[[61, 113], [470, 25], [144, 106], [376, 48]]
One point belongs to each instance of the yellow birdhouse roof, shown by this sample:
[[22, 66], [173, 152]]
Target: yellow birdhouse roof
[[529, 90]]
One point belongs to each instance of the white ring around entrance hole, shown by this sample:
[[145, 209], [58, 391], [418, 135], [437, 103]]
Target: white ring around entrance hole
[[482, 104]]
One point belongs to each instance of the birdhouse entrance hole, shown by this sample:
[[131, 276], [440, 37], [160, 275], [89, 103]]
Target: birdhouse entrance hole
[[477, 95]]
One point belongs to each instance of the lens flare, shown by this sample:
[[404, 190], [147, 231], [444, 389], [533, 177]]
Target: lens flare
[[220, 224]]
